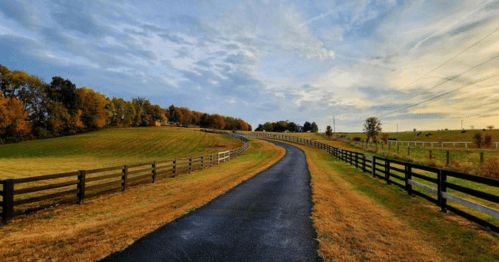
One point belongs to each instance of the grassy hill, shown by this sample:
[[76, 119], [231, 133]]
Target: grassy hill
[[108, 147]]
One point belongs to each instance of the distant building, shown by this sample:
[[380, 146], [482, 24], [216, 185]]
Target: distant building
[[154, 123]]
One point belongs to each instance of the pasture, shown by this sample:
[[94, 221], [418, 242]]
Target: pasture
[[108, 147], [111, 222], [436, 136]]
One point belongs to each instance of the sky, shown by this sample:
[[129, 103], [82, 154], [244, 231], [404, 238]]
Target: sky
[[413, 64]]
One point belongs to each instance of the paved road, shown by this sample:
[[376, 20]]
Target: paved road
[[266, 218]]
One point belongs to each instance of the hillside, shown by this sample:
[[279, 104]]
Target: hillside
[[108, 147]]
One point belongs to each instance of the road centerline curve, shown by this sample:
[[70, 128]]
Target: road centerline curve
[[266, 218]]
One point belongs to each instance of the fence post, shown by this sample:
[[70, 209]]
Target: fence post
[[81, 186], [211, 160], [447, 158], [356, 160], [443, 189], [218, 158], [202, 162], [8, 200], [387, 171], [124, 177], [363, 163], [153, 171], [174, 168], [408, 176], [373, 165], [408, 150], [430, 154]]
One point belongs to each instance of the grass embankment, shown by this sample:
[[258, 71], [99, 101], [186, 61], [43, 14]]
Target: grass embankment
[[358, 218], [109, 223], [108, 147]]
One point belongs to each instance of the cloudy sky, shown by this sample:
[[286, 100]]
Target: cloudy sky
[[415, 64]]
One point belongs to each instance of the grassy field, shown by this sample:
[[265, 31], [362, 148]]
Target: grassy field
[[108, 147], [108, 223], [358, 218], [418, 156], [436, 136]]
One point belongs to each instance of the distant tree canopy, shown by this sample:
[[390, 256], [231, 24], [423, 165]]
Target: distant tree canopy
[[283, 126], [31, 108], [185, 117]]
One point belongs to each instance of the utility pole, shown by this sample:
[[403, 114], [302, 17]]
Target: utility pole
[[334, 126]]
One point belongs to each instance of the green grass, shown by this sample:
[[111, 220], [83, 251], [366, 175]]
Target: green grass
[[452, 239], [108, 147], [436, 136]]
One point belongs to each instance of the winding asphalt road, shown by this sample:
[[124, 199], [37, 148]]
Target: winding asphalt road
[[266, 218]]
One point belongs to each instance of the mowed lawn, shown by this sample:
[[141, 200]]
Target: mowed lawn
[[111, 222], [108, 147]]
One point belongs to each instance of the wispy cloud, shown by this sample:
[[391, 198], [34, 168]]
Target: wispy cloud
[[268, 60]]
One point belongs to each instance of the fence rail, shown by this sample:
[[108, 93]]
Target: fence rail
[[430, 183], [29, 194]]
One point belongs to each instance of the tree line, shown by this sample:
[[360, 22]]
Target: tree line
[[31, 108], [286, 126]]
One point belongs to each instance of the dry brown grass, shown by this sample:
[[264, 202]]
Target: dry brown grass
[[353, 227], [112, 222]]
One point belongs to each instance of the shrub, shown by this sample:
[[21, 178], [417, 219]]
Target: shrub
[[384, 138], [357, 139], [462, 166], [487, 141], [491, 168], [478, 140]]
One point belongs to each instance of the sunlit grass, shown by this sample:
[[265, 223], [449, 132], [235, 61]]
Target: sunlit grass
[[108, 147], [108, 223]]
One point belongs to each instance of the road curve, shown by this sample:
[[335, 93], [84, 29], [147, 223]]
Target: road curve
[[266, 218]]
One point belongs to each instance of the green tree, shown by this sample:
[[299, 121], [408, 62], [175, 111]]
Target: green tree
[[329, 131], [314, 128], [372, 128], [307, 126]]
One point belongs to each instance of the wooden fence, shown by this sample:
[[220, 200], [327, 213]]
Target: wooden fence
[[23, 195], [449, 190]]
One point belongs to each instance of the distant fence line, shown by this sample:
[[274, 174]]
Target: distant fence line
[[416, 143], [403, 175], [22, 195]]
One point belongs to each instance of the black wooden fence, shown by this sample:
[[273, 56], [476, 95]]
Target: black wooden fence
[[22, 195], [436, 185]]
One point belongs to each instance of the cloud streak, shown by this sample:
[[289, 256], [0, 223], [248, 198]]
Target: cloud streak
[[269, 60]]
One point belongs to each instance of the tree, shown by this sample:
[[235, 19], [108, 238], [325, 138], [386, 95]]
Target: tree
[[64, 91], [259, 128], [307, 126], [13, 118], [314, 128], [372, 128], [268, 127], [94, 108], [329, 131]]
